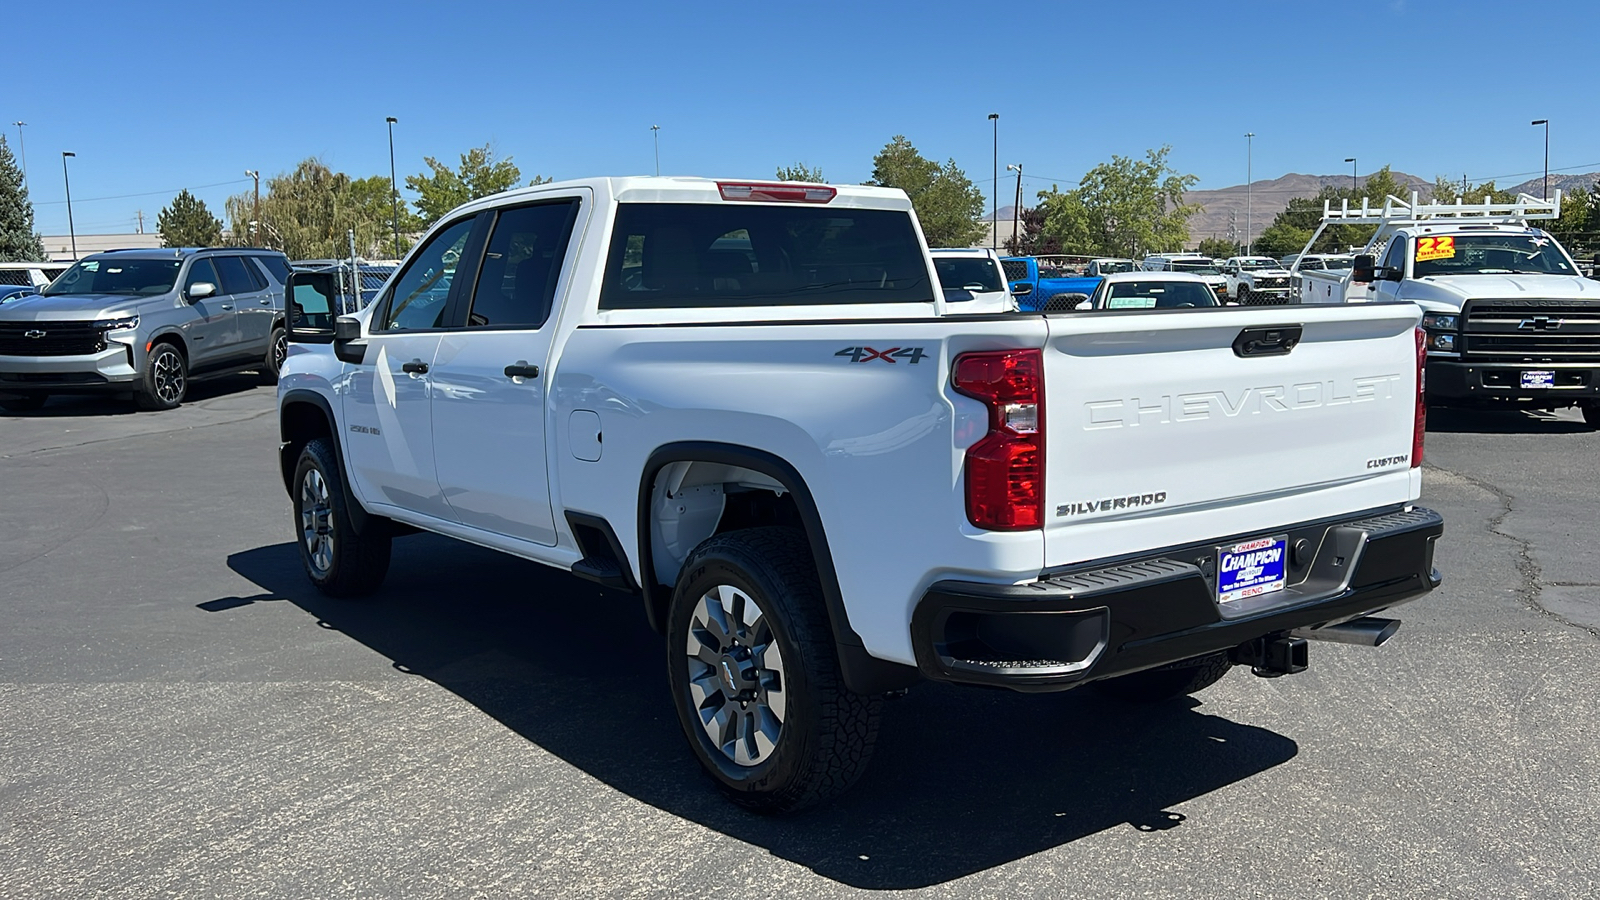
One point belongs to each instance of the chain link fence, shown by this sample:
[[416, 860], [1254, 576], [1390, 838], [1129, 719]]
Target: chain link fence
[[369, 276]]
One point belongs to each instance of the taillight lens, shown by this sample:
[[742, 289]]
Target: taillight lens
[[1420, 427], [1005, 470]]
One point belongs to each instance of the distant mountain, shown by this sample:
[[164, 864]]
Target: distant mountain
[[1534, 187], [1265, 199]]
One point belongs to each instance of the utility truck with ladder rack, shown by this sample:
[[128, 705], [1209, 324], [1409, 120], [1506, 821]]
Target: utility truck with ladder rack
[[1510, 321]]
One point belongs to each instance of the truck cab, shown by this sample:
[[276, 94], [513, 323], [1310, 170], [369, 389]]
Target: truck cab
[[1034, 280]]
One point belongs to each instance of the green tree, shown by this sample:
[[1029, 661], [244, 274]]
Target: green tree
[[186, 222], [309, 214], [949, 206], [1218, 248], [18, 241], [801, 172], [1580, 220], [1448, 191], [1033, 241], [442, 188], [1122, 208]]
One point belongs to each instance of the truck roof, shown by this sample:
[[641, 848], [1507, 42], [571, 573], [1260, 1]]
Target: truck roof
[[686, 189]]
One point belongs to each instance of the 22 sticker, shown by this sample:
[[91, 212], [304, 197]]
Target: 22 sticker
[[1429, 248]]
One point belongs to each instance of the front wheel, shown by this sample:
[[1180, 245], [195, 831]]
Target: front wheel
[[1244, 295], [754, 676], [340, 561], [277, 352], [1157, 685], [166, 379]]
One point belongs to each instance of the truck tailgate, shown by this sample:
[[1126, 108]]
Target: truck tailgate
[[1159, 433]]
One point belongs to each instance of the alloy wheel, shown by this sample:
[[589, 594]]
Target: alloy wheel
[[280, 351], [736, 675], [169, 377], [316, 520]]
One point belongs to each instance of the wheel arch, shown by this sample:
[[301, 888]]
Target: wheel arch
[[304, 416], [863, 673], [168, 336]]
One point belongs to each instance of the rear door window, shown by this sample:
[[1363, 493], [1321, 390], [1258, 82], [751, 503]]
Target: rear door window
[[521, 263], [277, 265], [741, 254], [237, 278]]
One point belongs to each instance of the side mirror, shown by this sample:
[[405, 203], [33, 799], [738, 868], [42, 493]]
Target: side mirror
[[1084, 305], [1363, 272], [313, 301], [1021, 290], [200, 290]]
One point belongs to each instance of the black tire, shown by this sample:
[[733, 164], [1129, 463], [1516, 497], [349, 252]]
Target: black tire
[[1591, 414], [23, 402], [351, 563], [277, 352], [1243, 298], [1158, 685], [165, 381], [826, 733]]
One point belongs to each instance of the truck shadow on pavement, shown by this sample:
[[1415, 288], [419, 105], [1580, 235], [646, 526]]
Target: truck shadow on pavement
[[962, 781], [1501, 421]]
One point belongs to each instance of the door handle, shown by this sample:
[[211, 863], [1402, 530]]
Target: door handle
[[227, 306], [266, 302], [415, 367], [521, 369]]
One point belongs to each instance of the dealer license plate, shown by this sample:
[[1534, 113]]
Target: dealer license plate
[[1252, 568], [1544, 379]]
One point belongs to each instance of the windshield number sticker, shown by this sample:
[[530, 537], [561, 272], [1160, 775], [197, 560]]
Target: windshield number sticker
[[912, 355], [1436, 248]]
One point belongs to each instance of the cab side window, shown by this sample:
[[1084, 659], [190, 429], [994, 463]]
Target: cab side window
[[517, 281], [201, 270], [421, 291], [1395, 258], [236, 278]]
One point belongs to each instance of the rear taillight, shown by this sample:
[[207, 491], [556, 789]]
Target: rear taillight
[[1005, 470], [784, 193], [1420, 427]]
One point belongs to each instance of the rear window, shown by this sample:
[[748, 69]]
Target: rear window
[[737, 254], [1158, 295], [968, 274]]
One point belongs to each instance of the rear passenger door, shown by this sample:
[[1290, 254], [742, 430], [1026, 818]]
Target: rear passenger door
[[490, 387], [252, 303]]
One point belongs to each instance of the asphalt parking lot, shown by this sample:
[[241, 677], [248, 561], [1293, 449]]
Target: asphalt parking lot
[[181, 715]]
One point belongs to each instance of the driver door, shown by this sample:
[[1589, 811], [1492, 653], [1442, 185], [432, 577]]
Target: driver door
[[211, 325], [1394, 258]]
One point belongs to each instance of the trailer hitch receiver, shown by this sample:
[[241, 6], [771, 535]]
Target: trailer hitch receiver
[[1273, 655]]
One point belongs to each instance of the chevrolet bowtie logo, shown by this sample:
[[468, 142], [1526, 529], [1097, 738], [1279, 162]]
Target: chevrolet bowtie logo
[[1540, 323], [35, 333]]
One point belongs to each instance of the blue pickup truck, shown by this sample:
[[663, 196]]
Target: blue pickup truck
[[1035, 279]]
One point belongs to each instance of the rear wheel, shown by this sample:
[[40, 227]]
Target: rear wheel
[[1156, 685], [755, 678], [277, 352], [166, 379], [340, 561], [23, 402]]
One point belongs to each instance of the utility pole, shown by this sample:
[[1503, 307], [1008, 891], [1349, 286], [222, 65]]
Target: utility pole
[[255, 210], [655, 131], [1352, 161], [1546, 124], [1249, 187], [68, 181], [140, 214], [394, 188], [994, 187], [1016, 209], [22, 150]]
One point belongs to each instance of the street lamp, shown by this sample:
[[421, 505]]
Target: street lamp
[[70, 230], [1352, 161], [1546, 124], [655, 131], [22, 151], [1016, 208], [1249, 199], [394, 188], [994, 187]]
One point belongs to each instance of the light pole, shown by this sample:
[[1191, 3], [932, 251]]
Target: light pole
[[22, 151], [394, 188], [994, 187], [1352, 161], [1249, 187], [68, 181], [655, 131], [1546, 124], [1016, 208], [255, 207]]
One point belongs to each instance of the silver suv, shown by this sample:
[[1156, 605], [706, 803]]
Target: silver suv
[[146, 323]]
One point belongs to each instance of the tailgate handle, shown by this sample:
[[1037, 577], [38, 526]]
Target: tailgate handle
[[1268, 340]]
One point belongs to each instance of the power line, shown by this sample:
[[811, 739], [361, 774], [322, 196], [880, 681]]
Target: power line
[[171, 193]]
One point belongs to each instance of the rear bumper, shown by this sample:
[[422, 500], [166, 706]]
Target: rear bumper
[[1064, 630], [1452, 379]]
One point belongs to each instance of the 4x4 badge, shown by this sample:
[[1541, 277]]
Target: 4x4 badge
[[867, 354]]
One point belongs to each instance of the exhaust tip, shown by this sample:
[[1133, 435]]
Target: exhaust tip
[[1367, 631]]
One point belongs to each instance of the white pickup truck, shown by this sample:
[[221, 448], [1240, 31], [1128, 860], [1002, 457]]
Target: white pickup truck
[[752, 405], [1510, 320], [1256, 281]]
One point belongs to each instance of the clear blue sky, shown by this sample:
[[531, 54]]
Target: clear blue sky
[[156, 97]]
